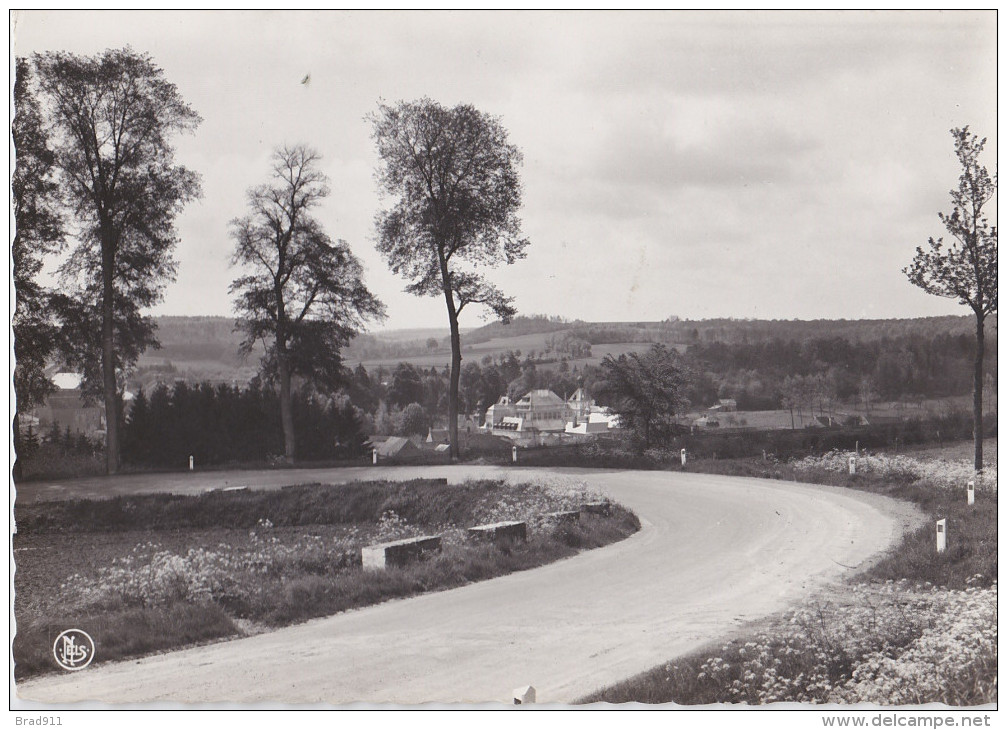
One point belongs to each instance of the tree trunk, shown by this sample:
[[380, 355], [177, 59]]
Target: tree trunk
[[456, 368], [109, 385], [286, 409], [977, 394]]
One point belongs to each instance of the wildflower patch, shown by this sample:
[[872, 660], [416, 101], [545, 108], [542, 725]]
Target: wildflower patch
[[937, 473], [277, 557]]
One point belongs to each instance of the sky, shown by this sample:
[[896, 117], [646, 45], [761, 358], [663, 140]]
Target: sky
[[769, 165]]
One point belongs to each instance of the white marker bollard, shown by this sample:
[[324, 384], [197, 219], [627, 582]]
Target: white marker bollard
[[853, 465], [374, 456], [524, 695], [191, 462], [942, 535], [513, 454], [683, 457], [763, 454], [972, 493]]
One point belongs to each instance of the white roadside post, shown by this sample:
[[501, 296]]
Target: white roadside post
[[972, 493], [524, 695], [374, 456], [191, 462], [853, 464], [683, 457], [942, 535], [513, 454]]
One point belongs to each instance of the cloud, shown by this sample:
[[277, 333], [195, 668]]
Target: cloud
[[731, 156], [705, 164]]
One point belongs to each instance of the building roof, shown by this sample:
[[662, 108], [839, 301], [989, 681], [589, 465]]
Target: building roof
[[395, 445], [435, 435], [541, 398]]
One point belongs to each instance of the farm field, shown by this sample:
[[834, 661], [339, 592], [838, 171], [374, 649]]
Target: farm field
[[961, 451], [780, 419], [501, 346]]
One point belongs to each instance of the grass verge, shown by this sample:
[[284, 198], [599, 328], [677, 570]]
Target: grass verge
[[156, 572], [916, 627]]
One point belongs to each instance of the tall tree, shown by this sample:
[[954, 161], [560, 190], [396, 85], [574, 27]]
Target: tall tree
[[966, 268], [303, 296], [455, 178], [646, 390], [38, 232], [113, 118]]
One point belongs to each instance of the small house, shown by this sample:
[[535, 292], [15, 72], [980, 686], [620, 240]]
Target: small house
[[397, 447]]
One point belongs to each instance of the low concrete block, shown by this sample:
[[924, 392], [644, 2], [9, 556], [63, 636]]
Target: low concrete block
[[561, 518], [524, 695], [398, 552], [597, 508], [500, 532]]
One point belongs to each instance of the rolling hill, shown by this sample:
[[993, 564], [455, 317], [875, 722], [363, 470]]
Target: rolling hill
[[206, 348]]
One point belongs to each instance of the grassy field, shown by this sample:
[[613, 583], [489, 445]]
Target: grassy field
[[914, 627], [156, 572], [959, 451], [782, 419], [501, 346]]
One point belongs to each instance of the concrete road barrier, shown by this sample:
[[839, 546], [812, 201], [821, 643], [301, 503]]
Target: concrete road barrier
[[560, 518], [398, 552], [500, 532], [597, 508]]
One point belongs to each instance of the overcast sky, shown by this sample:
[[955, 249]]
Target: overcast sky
[[749, 165]]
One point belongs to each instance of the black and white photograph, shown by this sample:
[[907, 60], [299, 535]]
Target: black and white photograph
[[505, 360]]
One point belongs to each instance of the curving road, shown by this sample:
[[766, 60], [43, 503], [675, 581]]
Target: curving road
[[713, 553]]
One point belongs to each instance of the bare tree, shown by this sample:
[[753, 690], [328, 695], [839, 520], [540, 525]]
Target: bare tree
[[455, 177], [113, 118], [304, 296], [966, 268]]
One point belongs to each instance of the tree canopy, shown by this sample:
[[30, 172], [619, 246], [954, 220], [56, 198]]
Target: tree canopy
[[38, 231], [965, 267], [646, 390]]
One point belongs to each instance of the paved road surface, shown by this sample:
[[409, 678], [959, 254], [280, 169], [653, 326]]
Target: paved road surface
[[713, 552]]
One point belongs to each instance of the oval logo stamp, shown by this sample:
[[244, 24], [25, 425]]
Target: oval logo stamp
[[73, 649]]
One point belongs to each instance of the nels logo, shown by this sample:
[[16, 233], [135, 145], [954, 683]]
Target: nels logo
[[73, 649]]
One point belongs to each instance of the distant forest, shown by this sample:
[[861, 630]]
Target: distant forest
[[762, 364]]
